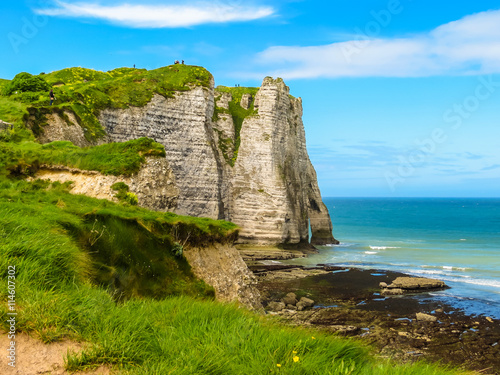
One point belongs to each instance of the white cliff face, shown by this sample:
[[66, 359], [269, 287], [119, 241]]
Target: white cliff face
[[271, 191], [58, 128], [274, 188], [183, 125]]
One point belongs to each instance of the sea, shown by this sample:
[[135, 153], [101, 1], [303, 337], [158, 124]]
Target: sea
[[456, 240]]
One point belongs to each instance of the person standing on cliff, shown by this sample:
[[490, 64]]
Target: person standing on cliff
[[51, 96]]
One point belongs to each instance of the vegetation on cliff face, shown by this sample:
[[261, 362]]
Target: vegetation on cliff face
[[85, 92], [238, 114]]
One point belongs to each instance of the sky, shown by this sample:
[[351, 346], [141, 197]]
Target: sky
[[401, 97]]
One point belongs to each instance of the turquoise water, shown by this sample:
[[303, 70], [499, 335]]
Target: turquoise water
[[452, 239]]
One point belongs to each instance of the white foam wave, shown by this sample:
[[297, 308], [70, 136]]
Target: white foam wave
[[383, 247], [483, 282], [451, 268], [371, 252], [344, 244]]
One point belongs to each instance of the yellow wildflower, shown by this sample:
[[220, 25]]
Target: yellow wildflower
[[278, 365], [294, 352], [314, 338], [296, 359]]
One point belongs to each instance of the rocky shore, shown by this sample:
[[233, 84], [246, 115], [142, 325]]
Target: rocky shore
[[393, 312]]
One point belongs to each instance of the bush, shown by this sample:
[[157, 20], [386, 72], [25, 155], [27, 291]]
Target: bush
[[25, 82]]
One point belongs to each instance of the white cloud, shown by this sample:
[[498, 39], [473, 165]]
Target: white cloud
[[470, 45], [161, 16]]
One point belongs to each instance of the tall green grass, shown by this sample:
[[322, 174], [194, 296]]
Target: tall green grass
[[64, 246], [113, 275], [112, 158]]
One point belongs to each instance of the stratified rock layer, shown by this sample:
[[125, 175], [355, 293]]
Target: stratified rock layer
[[271, 191], [154, 184]]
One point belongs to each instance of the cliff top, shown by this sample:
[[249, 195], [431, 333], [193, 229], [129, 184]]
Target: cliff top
[[85, 91]]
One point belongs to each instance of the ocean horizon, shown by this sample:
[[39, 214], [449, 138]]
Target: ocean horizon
[[456, 240]]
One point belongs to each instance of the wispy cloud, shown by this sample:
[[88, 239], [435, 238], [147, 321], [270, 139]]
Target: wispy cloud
[[470, 45], [161, 16], [491, 167]]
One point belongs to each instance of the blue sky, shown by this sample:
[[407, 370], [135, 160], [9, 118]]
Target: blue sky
[[401, 97]]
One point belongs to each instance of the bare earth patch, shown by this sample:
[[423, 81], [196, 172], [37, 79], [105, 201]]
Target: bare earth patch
[[33, 357]]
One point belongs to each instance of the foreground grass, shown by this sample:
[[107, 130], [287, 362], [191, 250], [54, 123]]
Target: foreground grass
[[106, 274]]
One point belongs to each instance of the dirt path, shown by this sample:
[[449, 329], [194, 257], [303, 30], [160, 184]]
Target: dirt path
[[33, 357]]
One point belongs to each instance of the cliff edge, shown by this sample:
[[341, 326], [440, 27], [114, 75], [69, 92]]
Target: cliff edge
[[237, 154]]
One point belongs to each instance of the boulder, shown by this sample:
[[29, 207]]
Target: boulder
[[421, 317], [5, 125], [305, 302], [392, 292], [403, 285], [290, 299], [275, 306], [417, 283]]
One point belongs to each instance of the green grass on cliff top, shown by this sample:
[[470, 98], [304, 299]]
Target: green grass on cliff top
[[86, 92]]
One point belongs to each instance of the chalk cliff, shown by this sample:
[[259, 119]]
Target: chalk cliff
[[251, 169]]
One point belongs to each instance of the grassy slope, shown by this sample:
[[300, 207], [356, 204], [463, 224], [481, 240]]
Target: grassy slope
[[77, 257], [108, 274]]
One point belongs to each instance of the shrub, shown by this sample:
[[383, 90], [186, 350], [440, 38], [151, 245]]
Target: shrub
[[25, 82]]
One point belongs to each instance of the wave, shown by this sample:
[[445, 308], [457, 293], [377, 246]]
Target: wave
[[343, 244], [383, 247], [371, 252]]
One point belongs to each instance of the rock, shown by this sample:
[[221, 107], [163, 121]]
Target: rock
[[223, 100], [291, 307], [57, 127], [271, 204], [221, 267], [417, 283], [391, 292], [154, 184], [307, 302], [411, 285], [344, 329], [426, 317], [5, 125], [304, 303], [275, 306], [290, 299], [246, 101]]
